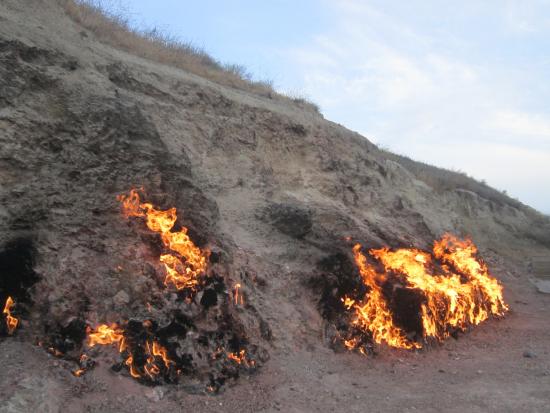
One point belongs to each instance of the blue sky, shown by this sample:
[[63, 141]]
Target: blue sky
[[462, 85]]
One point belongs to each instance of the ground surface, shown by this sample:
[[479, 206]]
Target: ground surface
[[274, 188]]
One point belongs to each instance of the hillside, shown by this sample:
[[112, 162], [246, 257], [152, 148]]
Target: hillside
[[274, 191]]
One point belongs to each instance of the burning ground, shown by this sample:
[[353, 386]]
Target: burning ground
[[257, 199], [189, 332], [417, 297]]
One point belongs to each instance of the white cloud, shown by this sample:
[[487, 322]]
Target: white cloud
[[521, 124], [526, 17], [421, 94]]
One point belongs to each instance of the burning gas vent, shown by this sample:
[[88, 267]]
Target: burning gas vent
[[190, 332], [11, 321], [153, 353], [184, 262], [16, 280], [408, 297]]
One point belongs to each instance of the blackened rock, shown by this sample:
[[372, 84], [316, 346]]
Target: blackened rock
[[209, 298], [290, 219]]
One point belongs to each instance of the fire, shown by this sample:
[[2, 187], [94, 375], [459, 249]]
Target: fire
[[105, 335], [11, 322], [78, 372], [155, 353], [184, 262], [456, 288], [240, 358], [154, 350], [130, 363], [238, 297]]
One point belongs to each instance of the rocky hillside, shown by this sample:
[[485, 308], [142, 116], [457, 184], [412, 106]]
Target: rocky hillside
[[272, 189]]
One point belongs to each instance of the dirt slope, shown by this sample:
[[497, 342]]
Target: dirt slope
[[274, 190]]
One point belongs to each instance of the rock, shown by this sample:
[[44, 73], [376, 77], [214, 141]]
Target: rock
[[121, 298], [543, 286], [265, 330], [290, 219], [529, 354]]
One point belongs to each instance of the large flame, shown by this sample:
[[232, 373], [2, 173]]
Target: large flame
[[184, 262], [11, 322], [456, 294]]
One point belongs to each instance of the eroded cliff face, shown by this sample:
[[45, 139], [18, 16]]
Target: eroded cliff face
[[274, 191]]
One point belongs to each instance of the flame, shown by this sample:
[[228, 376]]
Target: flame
[[237, 298], [78, 372], [184, 262], [240, 358], [11, 322], [130, 363], [113, 334], [161, 352], [106, 335], [462, 294], [55, 352]]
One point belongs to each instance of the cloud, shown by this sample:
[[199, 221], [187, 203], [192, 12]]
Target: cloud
[[531, 126], [440, 96]]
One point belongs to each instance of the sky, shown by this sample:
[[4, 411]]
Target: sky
[[462, 85]]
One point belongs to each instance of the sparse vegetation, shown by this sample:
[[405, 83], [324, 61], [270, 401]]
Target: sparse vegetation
[[441, 180], [306, 103], [116, 30]]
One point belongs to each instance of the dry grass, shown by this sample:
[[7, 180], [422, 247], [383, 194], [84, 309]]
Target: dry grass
[[442, 180], [116, 30]]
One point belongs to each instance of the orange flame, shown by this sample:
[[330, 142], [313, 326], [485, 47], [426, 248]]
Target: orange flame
[[130, 363], [113, 334], [11, 322], [189, 262], [240, 358], [463, 294], [106, 335], [78, 372], [155, 350], [237, 297]]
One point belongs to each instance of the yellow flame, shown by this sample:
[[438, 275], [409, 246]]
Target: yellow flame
[[11, 322], [455, 299], [181, 272], [104, 335]]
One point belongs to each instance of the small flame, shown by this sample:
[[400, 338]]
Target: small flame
[[464, 294], [184, 262], [11, 322], [155, 352], [78, 372], [130, 363], [238, 297], [55, 352], [240, 358]]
